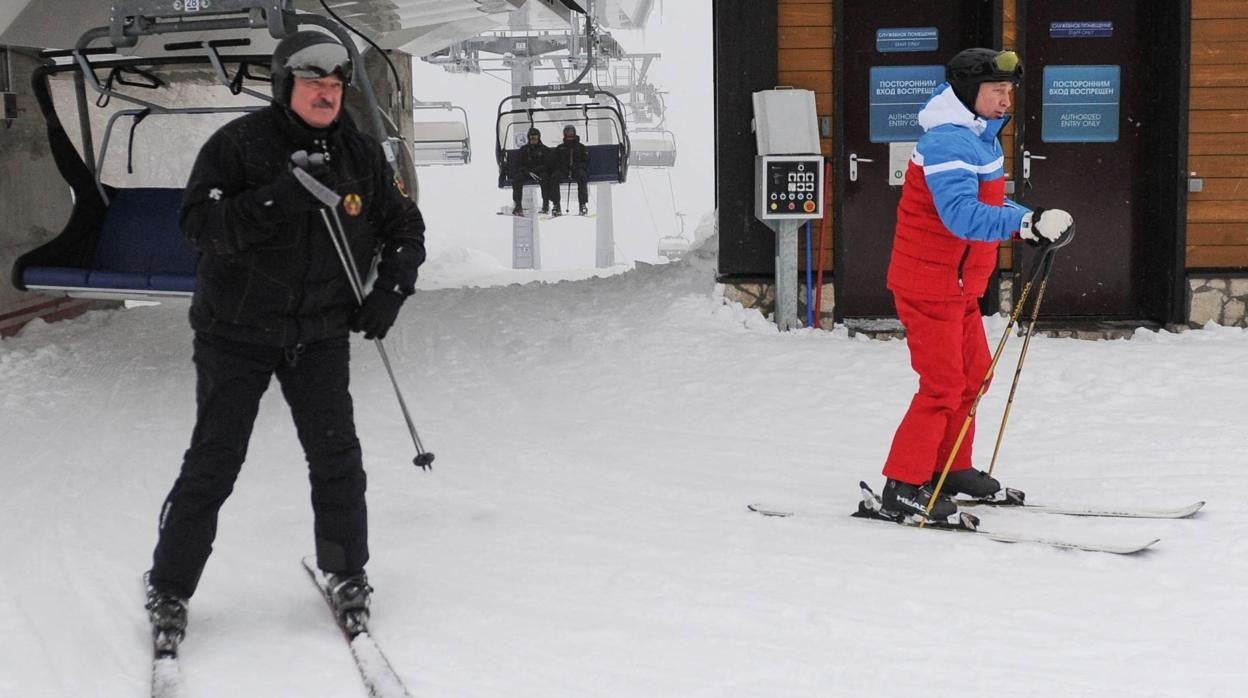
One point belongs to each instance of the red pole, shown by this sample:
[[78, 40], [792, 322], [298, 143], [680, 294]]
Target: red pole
[[827, 173]]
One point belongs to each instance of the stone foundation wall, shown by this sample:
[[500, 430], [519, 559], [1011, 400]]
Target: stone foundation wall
[[763, 297], [1222, 299]]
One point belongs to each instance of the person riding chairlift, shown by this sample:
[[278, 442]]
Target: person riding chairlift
[[571, 159], [532, 166]]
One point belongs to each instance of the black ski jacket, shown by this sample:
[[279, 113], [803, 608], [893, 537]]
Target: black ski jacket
[[269, 272], [570, 158], [533, 157]]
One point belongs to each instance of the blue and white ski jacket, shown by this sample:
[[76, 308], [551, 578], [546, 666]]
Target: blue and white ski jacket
[[953, 211]]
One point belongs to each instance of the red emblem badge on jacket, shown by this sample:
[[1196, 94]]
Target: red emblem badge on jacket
[[352, 204]]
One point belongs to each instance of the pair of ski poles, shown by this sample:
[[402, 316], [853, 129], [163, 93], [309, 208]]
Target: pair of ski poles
[[338, 234], [1044, 265]]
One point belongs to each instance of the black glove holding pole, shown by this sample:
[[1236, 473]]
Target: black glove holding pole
[[378, 313], [286, 195]]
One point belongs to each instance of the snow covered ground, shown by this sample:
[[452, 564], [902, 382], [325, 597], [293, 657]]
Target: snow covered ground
[[585, 532]]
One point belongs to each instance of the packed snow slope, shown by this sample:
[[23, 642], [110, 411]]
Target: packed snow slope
[[584, 530]]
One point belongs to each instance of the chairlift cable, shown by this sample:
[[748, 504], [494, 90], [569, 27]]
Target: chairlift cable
[[398, 84], [646, 197]]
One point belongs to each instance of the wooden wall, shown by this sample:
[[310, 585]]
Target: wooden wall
[[1217, 218], [805, 33]]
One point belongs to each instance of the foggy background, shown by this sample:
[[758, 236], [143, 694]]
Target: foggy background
[[460, 203]]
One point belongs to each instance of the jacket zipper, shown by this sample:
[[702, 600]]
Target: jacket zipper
[[961, 263]]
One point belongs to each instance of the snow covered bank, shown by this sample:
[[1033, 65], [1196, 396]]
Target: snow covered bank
[[584, 531]]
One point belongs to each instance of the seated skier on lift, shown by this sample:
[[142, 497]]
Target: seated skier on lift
[[571, 160], [532, 167]]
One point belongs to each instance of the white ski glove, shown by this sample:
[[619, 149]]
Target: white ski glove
[[1045, 225]]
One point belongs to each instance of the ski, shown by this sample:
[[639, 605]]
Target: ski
[[166, 672], [869, 509], [380, 679], [167, 677], [1014, 499]]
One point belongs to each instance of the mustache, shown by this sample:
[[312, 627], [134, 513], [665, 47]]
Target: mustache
[[322, 103]]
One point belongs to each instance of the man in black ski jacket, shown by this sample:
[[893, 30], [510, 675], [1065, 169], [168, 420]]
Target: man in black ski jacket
[[273, 299], [570, 160], [532, 166]]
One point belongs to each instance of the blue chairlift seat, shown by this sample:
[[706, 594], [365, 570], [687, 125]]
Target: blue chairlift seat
[[139, 251], [606, 165]]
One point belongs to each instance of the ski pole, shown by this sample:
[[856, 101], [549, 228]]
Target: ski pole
[[1018, 369], [1043, 267], [338, 235]]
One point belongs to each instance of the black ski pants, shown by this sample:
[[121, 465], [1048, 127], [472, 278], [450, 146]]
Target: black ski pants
[[582, 187], [232, 377], [549, 187]]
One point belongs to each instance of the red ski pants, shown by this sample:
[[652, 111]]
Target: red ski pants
[[949, 351]]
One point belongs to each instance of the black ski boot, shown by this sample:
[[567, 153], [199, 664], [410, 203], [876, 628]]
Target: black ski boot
[[517, 211], [973, 483], [167, 614], [901, 500], [349, 595], [545, 208], [555, 212], [584, 210]]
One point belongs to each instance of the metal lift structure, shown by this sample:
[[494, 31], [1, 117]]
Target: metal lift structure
[[125, 242], [578, 62]]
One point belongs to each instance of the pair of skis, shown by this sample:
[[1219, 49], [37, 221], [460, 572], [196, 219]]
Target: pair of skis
[[549, 217], [380, 679], [870, 508]]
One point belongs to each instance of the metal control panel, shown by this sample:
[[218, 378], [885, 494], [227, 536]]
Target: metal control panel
[[788, 187]]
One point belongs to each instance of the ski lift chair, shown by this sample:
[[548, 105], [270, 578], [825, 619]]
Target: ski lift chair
[[673, 246], [122, 243], [441, 142], [652, 148], [598, 117]]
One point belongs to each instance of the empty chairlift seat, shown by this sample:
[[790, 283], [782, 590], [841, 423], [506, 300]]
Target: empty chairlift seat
[[440, 141], [138, 250], [652, 148]]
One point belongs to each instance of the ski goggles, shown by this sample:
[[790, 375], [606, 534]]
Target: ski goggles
[[1008, 62], [320, 60]]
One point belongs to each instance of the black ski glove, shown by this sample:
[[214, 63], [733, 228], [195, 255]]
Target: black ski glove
[[290, 192], [380, 309], [286, 195]]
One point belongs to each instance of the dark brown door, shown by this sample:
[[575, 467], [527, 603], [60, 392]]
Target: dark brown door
[[890, 53], [1086, 143]]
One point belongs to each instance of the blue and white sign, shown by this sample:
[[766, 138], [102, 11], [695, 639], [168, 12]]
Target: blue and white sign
[[1081, 103], [902, 39], [896, 95], [1081, 30]]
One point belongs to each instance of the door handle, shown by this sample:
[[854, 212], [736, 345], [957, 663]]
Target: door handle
[[853, 166], [1027, 158]]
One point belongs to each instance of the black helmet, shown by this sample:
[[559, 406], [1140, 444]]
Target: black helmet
[[973, 66], [569, 127], [533, 131], [307, 54]]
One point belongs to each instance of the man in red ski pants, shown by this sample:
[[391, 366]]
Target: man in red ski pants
[[952, 216]]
